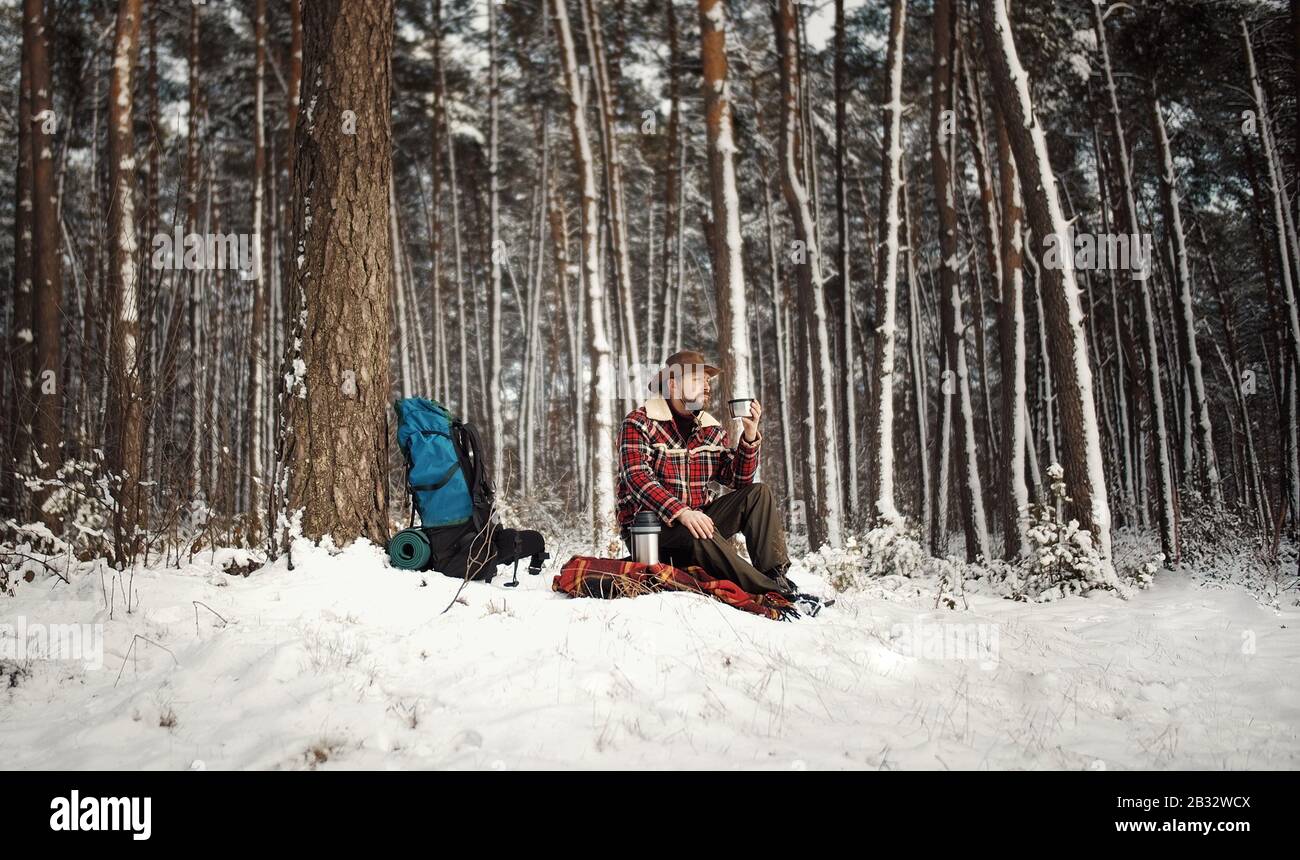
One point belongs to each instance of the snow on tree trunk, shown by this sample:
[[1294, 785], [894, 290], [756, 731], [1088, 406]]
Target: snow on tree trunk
[[674, 178], [1011, 322], [847, 355], [335, 442], [1287, 274], [462, 320], [48, 383], [825, 526], [1084, 471], [1155, 393], [498, 251], [728, 247], [1119, 379], [21, 337], [127, 442], [614, 177], [943, 146], [256, 346], [195, 281], [917, 356], [1186, 312], [881, 478], [602, 392]]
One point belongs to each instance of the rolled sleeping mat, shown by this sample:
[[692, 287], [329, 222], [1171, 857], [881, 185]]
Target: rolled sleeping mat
[[409, 550]]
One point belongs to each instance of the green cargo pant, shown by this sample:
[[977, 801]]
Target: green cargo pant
[[750, 510]]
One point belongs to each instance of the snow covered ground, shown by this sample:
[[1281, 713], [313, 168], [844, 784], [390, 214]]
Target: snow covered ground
[[346, 663]]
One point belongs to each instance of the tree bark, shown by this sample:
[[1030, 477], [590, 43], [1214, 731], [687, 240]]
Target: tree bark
[[335, 442], [1185, 314], [18, 452], [826, 525], [880, 480], [124, 284], [601, 399], [1082, 442], [1155, 393], [728, 256], [47, 277], [943, 147]]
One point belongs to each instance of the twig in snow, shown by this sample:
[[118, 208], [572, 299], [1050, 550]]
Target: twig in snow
[[132, 648], [197, 604]]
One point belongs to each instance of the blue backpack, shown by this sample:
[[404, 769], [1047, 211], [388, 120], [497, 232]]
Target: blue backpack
[[445, 468], [447, 479]]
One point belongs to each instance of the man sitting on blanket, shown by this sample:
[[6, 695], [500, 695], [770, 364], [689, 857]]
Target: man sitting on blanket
[[670, 451]]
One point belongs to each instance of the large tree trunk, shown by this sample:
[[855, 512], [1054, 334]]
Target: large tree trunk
[[728, 256], [127, 428], [47, 278], [825, 526], [1082, 441], [335, 444]]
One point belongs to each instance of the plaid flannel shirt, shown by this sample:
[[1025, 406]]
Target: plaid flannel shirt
[[660, 471]]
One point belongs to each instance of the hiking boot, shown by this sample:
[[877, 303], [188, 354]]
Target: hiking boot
[[810, 604]]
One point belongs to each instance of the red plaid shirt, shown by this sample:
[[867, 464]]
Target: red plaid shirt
[[662, 472]]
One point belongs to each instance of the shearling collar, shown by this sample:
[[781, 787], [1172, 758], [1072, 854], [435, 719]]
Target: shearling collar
[[657, 408]]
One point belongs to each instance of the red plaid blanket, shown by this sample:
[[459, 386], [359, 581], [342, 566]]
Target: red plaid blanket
[[585, 576]]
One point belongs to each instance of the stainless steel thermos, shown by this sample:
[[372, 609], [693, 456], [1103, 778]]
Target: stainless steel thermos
[[644, 532]]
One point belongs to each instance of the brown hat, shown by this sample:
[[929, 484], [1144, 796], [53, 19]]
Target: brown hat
[[678, 363]]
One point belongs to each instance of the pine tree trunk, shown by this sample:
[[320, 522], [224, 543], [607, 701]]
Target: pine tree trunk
[[614, 177], [672, 181], [728, 256], [1082, 441], [1289, 289], [1185, 311], [257, 324], [127, 396], [1155, 395], [47, 278], [943, 146], [1011, 338], [601, 399], [498, 253], [194, 280], [825, 526], [21, 352], [917, 360], [880, 480], [847, 356], [335, 448]]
